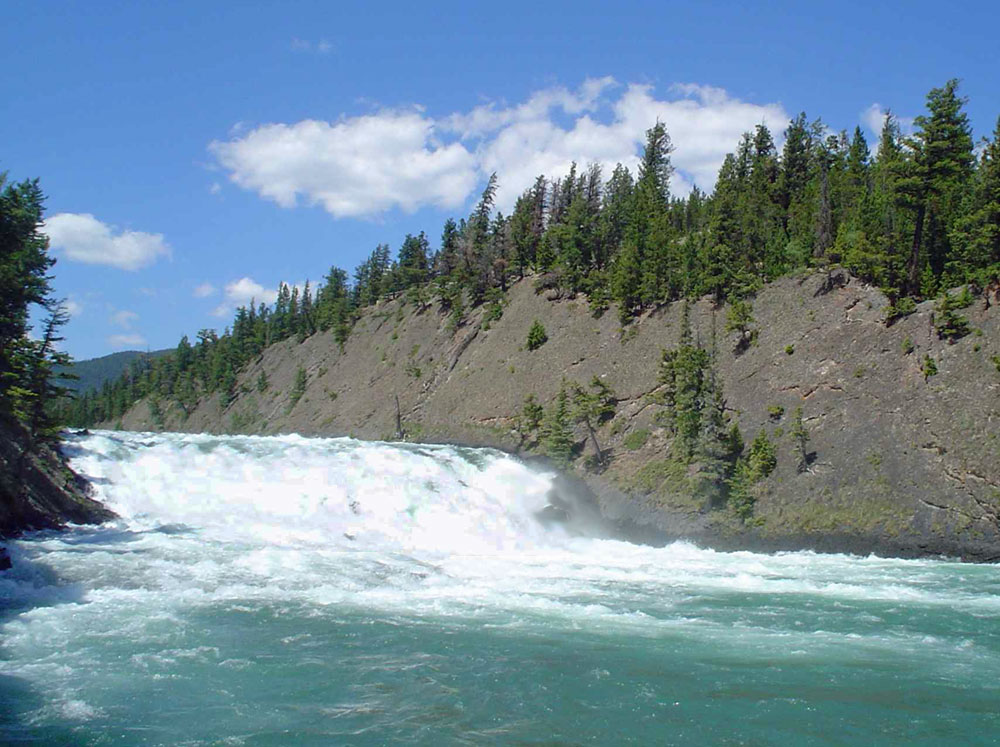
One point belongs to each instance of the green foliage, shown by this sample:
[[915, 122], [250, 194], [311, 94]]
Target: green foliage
[[495, 302], [938, 175], [531, 415], [800, 437], [536, 336], [951, 325], [662, 476], [789, 349], [636, 439], [156, 412], [596, 405], [298, 387], [763, 456], [689, 390], [996, 361], [739, 318], [928, 367], [775, 412], [31, 367], [262, 381], [907, 346], [556, 435], [902, 307], [750, 469]]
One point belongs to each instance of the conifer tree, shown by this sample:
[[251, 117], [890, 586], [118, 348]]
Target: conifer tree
[[976, 236], [556, 435], [940, 171]]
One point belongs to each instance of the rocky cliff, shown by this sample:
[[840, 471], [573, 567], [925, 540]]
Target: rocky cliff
[[900, 462], [38, 490]]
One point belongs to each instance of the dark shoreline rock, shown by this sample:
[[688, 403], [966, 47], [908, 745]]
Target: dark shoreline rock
[[38, 490]]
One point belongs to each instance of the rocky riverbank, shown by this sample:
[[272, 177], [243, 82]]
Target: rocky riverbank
[[39, 491]]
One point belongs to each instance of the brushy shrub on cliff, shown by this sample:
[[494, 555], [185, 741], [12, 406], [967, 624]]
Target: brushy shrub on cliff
[[636, 439], [759, 462], [951, 325], [739, 318], [536, 336], [928, 367], [298, 387]]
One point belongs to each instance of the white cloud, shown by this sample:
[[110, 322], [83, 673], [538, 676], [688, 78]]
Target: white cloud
[[355, 167], [129, 340], [215, 188], [874, 119], [321, 47], [241, 293], [362, 166], [124, 318], [83, 238], [204, 290]]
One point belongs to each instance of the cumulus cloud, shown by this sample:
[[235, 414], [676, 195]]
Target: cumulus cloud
[[83, 238], [128, 340], [204, 290], [362, 166], [241, 293], [355, 167]]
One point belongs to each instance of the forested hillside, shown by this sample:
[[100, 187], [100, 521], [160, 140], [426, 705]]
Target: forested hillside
[[915, 215], [91, 374]]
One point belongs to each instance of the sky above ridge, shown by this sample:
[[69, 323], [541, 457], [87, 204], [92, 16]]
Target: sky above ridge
[[197, 154]]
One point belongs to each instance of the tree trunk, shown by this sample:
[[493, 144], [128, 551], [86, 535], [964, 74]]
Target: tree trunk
[[913, 266], [597, 446], [399, 421]]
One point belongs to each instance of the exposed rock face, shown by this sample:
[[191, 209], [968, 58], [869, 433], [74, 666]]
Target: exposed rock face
[[900, 464], [38, 490]]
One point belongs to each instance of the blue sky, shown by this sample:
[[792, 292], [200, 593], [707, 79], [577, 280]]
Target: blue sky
[[195, 154]]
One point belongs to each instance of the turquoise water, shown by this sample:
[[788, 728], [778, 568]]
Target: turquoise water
[[282, 591]]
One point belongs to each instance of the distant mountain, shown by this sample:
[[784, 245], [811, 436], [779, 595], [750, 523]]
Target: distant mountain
[[95, 371]]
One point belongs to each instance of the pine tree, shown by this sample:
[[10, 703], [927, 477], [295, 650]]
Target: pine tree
[[940, 171], [593, 407], [536, 336], [976, 237], [24, 282], [800, 437], [556, 435]]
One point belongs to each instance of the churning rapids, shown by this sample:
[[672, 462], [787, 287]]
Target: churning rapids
[[293, 591]]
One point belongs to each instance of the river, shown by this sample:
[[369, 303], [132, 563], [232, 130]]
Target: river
[[294, 591]]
